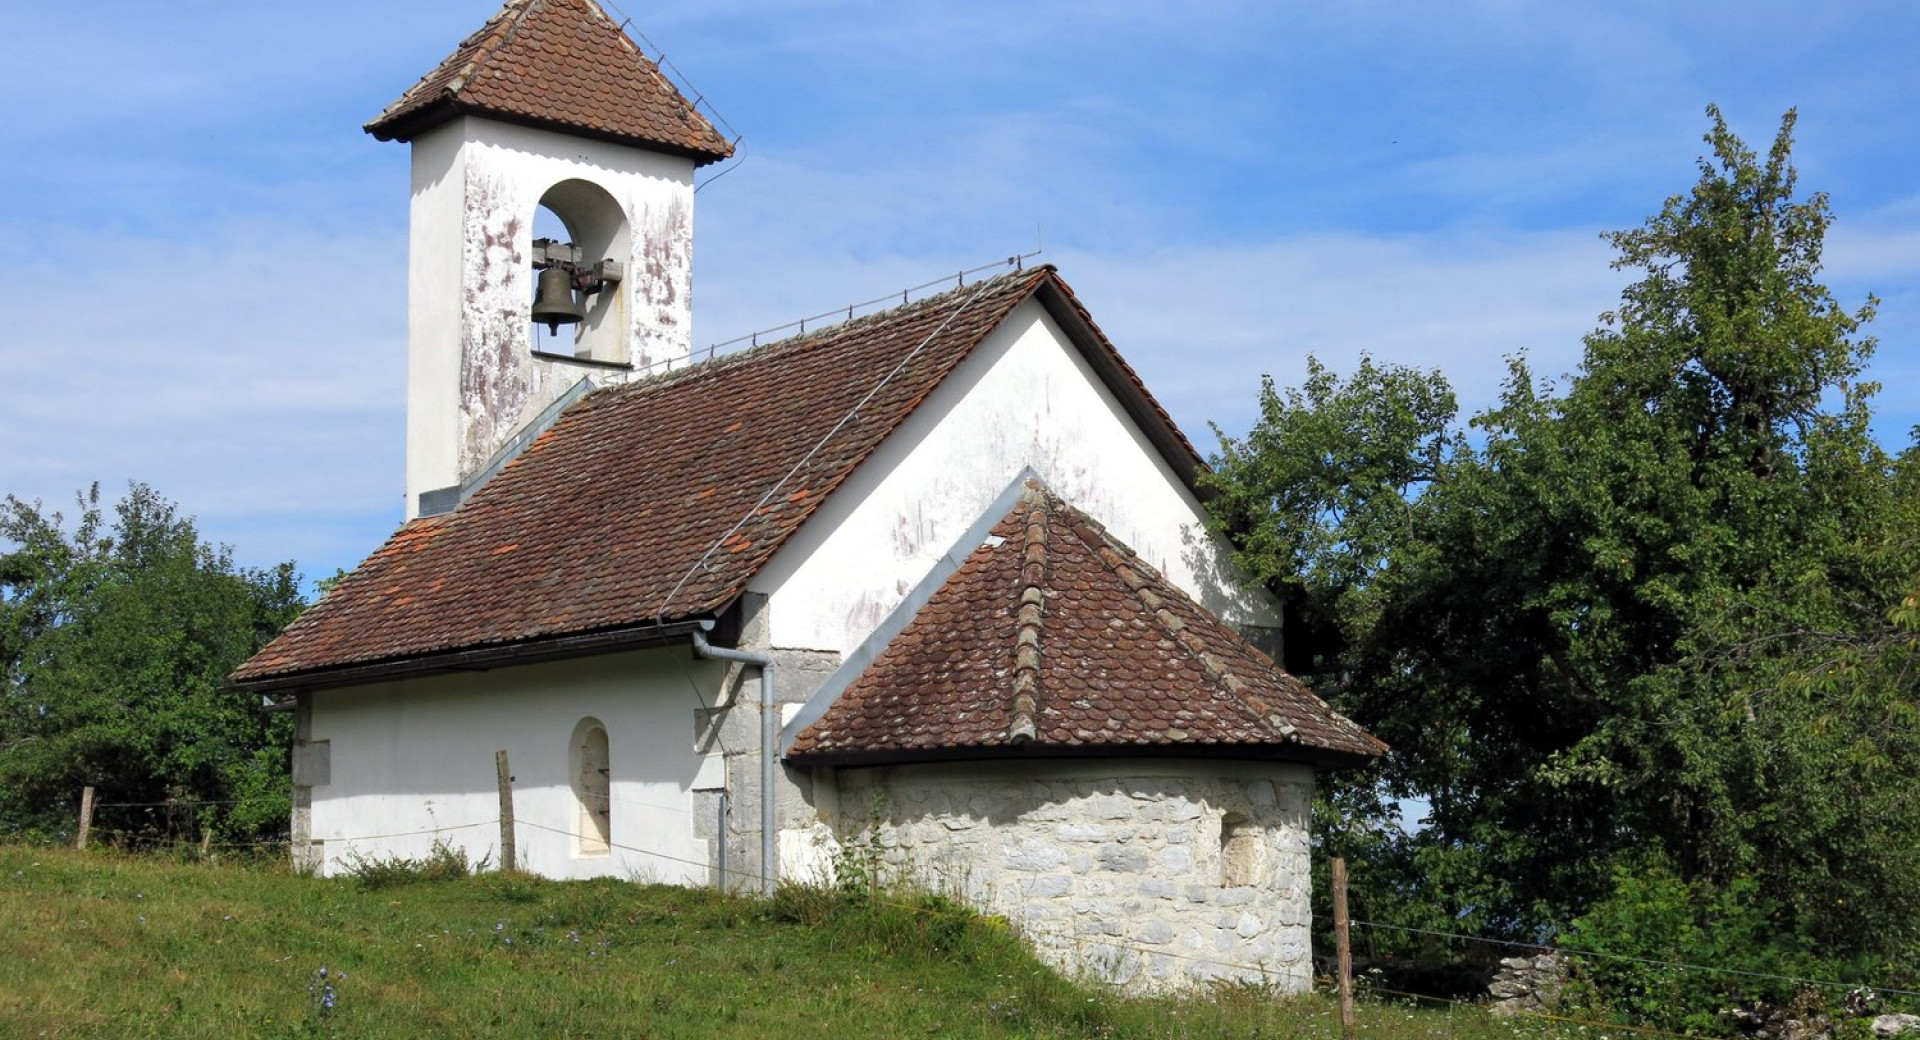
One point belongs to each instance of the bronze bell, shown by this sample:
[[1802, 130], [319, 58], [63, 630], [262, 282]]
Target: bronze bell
[[555, 304]]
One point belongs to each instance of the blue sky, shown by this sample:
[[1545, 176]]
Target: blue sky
[[206, 255]]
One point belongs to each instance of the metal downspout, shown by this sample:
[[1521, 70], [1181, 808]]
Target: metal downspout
[[769, 868]]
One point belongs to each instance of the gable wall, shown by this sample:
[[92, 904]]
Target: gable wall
[[418, 756], [1024, 398]]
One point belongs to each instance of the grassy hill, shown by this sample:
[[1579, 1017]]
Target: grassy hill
[[105, 945]]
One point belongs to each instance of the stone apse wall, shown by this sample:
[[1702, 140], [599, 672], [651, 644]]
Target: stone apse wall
[[1152, 875]]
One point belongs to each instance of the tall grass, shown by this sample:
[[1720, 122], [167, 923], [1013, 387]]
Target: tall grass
[[104, 945]]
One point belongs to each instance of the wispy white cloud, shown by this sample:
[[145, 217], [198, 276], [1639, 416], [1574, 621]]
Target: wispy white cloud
[[1204, 324], [254, 372], [1881, 256], [206, 255]]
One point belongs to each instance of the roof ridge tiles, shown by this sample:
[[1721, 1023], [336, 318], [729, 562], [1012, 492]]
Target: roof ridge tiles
[[512, 26], [1090, 672], [564, 65], [1140, 578], [475, 45], [1026, 644]]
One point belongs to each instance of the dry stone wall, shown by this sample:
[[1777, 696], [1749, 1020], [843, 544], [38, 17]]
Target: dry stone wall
[[1153, 875], [1526, 984]]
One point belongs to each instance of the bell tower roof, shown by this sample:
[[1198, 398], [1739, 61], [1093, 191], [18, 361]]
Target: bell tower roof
[[560, 65]]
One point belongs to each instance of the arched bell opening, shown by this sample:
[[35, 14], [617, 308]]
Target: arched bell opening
[[581, 243]]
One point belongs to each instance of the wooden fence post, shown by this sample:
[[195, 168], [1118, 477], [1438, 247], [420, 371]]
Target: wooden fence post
[[506, 809], [1343, 942], [86, 817]]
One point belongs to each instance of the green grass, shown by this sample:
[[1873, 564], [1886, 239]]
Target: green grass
[[100, 944]]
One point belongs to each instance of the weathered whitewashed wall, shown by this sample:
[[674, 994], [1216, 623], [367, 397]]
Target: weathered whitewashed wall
[[1150, 874], [471, 378], [1116, 869], [1025, 398], [415, 760]]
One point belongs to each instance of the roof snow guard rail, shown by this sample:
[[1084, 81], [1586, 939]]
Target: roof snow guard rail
[[897, 299]]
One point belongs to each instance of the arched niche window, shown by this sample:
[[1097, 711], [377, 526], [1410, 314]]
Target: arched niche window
[[592, 788], [582, 215], [1241, 851]]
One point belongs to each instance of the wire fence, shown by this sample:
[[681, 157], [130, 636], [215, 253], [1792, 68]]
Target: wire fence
[[739, 876], [1103, 944], [1568, 951], [152, 824], [148, 841], [173, 804], [1088, 947]]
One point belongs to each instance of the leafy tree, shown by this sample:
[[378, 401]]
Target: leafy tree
[[1655, 618], [115, 640], [1322, 492], [1702, 500], [1322, 497]]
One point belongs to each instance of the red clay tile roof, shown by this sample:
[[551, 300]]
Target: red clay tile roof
[[1058, 639], [658, 500], [559, 64]]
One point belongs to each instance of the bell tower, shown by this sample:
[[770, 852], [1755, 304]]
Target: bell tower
[[549, 115]]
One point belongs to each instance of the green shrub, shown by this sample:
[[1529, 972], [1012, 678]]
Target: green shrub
[[1674, 954], [443, 862]]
